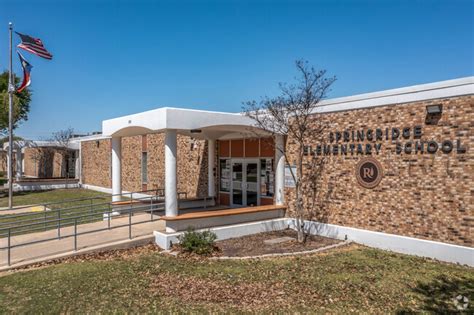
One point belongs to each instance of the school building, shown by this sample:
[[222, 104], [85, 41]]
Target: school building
[[397, 162]]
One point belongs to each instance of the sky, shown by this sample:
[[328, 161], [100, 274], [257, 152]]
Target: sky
[[113, 58]]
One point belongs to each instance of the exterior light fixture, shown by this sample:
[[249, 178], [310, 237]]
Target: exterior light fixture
[[434, 109], [195, 130]]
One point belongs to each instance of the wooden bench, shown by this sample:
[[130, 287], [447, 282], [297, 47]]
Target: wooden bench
[[212, 218]]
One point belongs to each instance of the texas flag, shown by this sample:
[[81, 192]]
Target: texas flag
[[26, 73]]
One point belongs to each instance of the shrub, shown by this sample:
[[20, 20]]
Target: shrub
[[201, 243]]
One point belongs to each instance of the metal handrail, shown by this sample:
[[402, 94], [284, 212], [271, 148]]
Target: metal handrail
[[76, 234], [43, 221], [45, 205], [68, 220], [66, 217], [81, 206], [95, 213]]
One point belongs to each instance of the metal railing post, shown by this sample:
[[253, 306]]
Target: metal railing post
[[9, 245], [59, 224], [44, 217], [151, 208], [91, 206], [130, 224], [108, 217], [75, 234]]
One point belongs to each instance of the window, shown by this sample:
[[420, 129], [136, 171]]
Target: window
[[144, 167], [224, 168], [267, 180]]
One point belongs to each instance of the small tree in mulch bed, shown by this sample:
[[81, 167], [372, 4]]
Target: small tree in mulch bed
[[292, 113], [201, 243]]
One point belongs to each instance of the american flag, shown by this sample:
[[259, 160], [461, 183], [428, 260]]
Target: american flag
[[34, 46]]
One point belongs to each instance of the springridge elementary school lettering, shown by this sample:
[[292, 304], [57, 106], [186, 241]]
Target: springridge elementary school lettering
[[351, 142]]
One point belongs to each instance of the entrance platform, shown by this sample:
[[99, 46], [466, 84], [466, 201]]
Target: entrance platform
[[213, 218]]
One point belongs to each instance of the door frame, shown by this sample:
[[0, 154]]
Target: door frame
[[244, 162]]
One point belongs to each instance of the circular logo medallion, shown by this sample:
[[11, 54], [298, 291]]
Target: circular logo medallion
[[369, 172]]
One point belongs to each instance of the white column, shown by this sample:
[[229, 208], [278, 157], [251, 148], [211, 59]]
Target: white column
[[171, 196], [19, 164], [116, 168], [211, 160], [279, 170], [23, 162], [77, 165]]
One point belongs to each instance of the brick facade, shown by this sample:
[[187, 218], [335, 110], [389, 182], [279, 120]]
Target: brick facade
[[422, 195], [44, 163], [191, 164], [96, 158]]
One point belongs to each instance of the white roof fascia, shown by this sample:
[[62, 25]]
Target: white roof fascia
[[423, 92], [172, 118], [160, 119]]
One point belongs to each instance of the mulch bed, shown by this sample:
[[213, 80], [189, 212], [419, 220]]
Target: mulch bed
[[254, 245], [251, 245]]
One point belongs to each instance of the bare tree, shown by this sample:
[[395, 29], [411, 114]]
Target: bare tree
[[292, 114], [37, 155], [62, 140]]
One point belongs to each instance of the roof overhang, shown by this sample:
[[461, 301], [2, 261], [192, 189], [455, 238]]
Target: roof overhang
[[195, 123], [23, 144]]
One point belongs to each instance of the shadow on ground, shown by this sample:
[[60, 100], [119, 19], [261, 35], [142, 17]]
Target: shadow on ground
[[440, 296]]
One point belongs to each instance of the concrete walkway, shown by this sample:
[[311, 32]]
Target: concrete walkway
[[23, 209], [65, 246]]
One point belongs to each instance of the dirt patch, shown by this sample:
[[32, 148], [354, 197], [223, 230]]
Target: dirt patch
[[257, 244]]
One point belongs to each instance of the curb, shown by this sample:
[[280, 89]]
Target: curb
[[122, 244]]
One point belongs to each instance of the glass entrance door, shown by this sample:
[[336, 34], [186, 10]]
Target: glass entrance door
[[237, 184], [251, 176], [245, 183]]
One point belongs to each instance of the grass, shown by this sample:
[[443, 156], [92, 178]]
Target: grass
[[355, 279], [48, 196], [51, 196]]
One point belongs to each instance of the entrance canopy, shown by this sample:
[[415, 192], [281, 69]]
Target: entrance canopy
[[196, 123]]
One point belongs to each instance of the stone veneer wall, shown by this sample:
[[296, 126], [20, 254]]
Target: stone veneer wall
[[131, 163], [428, 196], [191, 164], [96, 158], [3, 162], [30, 165], [46, 163]]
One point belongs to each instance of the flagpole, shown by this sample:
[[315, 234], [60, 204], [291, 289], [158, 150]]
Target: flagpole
[[11, 89]]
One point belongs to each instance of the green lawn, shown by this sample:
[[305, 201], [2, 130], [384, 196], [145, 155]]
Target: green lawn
[[354, 279], [40, 197], [93, 206]]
